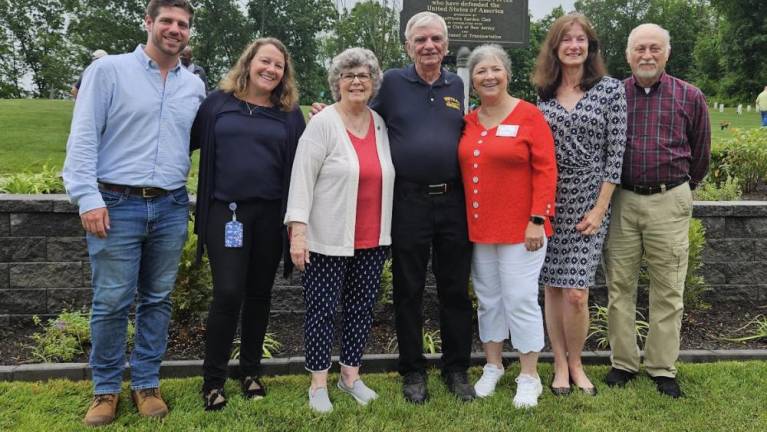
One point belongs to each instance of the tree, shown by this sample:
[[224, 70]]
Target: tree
[[10, 68], [370, 25], [297, 23], [743, 44], [114, 26], [221, 32], [35, 36]]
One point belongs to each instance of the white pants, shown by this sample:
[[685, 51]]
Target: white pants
[[505, 278]]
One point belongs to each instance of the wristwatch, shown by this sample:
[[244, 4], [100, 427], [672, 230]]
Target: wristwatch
[[537, 220]]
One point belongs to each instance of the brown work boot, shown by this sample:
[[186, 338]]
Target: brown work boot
[[149, 402], [102, 410]]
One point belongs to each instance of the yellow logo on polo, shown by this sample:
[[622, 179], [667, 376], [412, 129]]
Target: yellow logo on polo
[[452, 102]]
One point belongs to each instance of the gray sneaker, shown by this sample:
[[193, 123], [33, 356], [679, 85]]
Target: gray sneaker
[[319, 400], [359, 391]]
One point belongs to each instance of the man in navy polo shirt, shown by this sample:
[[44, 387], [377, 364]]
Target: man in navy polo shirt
[[423, 108]]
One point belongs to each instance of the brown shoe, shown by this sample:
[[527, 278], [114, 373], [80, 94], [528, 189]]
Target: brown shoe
[[102, 410], [149, 402]]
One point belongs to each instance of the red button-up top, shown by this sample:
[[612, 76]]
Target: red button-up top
[[509, 173]]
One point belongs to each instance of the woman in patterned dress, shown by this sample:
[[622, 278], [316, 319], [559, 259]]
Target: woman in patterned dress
[[586, 111]]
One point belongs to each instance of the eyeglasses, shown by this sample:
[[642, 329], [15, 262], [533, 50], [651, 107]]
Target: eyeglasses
[[349, 77]]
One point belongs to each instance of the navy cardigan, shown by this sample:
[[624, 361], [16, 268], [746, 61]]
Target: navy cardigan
[[204, 138]]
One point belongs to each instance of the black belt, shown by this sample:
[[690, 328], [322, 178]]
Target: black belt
[[652, 189], [143, 192], [430, 189]]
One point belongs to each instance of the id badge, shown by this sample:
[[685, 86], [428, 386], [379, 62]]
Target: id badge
[[233, 230], [233, 234]]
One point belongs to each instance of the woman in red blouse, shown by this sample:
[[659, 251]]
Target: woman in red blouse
[[509, 175]]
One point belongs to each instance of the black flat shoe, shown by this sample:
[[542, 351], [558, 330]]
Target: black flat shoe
[[588, 391], [561, 391], [252, 387], [214, 399]]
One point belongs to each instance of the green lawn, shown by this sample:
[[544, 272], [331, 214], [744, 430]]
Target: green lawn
[[726, 396], [34, 132]]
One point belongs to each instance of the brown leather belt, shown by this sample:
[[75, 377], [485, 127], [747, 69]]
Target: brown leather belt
[[143, 192], [653, 189]]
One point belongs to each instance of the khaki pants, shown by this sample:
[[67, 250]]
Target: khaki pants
[[655, 226]]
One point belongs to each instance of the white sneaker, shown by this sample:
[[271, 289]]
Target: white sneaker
[[528, 390], [491, 374]]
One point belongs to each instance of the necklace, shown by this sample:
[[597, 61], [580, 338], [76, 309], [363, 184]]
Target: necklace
[[250, 110], [358, 124]]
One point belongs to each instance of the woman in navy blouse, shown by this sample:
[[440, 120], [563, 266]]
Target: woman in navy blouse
[[247, 132]]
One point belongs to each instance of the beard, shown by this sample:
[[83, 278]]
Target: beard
[[159, 43]]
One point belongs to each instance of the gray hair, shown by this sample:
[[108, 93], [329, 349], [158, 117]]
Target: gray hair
[[349, 59], [422, 19], [663, 32], [482, 52]]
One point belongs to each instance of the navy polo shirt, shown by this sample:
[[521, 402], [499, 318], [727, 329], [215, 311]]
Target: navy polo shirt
[[425, 123], [251, 147]]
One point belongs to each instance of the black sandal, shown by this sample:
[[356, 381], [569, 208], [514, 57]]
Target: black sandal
[[252, 387], [215, 399]]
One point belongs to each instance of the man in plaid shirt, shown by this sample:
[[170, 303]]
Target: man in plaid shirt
[[667, 155]]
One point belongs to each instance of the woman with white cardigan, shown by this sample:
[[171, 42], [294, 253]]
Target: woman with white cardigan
[[339, 214]]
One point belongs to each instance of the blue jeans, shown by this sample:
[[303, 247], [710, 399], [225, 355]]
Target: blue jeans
[[764, 118], [140, 255]]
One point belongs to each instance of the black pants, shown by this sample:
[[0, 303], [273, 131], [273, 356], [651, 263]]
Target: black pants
[[438, 222], [242, 285]]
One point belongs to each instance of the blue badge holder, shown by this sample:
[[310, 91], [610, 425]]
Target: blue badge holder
[[233, 230]]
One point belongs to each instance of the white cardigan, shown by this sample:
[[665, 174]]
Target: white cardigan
[[325, 180]]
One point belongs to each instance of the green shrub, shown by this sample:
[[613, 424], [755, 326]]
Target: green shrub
[[65, 337], [728, 190], [46, 181], [193, 290], [695, 285], [743, 156], [598, 326], [385, 294], [431, 340]]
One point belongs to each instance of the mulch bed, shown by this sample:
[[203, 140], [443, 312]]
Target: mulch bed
[[701, 329]]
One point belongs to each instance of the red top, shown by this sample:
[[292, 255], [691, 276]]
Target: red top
[[367, 228], [509, 173]]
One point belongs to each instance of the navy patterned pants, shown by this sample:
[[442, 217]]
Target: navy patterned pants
[[355, 281]]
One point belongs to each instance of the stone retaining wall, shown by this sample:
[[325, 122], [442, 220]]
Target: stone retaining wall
[[44, 264]]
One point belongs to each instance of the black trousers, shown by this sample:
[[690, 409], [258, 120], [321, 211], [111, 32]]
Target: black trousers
[[242, 285], [420, 223]]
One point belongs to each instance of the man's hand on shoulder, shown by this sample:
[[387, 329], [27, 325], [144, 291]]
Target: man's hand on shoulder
[[96, 221], [316, 108]]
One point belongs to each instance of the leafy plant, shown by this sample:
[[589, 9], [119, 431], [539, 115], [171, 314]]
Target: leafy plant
[[269, 348], [598, 326], [755, 329], [65, 337], [45, 181], [743, 156], [193, 290], [728, 190], [387, 287], [431, 340]]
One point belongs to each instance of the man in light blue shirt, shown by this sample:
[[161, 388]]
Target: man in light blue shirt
[[126, 168]]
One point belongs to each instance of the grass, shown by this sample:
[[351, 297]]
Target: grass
[[726, 396], [34, 132]]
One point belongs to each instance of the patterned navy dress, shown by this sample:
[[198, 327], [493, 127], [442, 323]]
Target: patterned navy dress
[[589, 142]]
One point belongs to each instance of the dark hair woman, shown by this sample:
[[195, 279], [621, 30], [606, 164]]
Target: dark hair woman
[[586, 111]]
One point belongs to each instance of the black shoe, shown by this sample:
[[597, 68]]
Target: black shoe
[[414, 387], [560, 391], [668, 386], [588, 391], [619, 377], [252, 387], [215, 399], [458, 384]]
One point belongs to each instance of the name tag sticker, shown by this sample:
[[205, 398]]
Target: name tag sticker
[[507, 130]]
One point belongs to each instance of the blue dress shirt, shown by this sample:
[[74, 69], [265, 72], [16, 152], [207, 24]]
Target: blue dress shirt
[[130, 127]]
